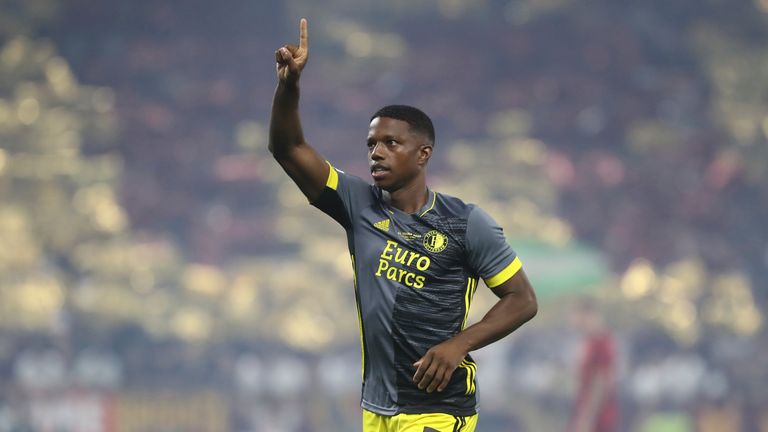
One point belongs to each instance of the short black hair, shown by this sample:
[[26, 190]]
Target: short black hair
[[416, 118]]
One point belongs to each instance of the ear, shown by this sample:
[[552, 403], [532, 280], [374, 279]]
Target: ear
[[425, 152]]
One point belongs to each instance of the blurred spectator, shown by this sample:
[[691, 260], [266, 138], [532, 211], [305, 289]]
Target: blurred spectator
[[596, 407]]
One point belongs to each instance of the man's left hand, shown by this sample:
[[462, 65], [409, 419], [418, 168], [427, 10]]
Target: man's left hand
[[434, 370]]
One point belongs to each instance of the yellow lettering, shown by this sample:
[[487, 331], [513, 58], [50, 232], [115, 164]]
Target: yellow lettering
[[383, 265], [400, 255], [423, 263], [400, 275], [393, 251], [392, 273], [390, 246]]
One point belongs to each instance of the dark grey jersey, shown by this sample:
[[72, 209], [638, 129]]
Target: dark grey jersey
[[415, 275]]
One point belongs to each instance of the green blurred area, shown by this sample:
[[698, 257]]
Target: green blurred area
[[580, 269]]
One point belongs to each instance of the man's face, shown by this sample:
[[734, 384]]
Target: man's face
[[396, 155]]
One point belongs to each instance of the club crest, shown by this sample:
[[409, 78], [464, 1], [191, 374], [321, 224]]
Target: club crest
[[435, 241]]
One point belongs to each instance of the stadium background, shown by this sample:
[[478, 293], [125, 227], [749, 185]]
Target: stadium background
[[158, 272]]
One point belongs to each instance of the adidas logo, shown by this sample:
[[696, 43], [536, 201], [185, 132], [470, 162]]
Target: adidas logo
[[382, 225]]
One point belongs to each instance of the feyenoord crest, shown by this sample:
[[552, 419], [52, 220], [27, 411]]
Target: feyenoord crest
[[435, 241]]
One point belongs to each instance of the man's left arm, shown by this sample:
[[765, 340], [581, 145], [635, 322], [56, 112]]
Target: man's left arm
[[517, 304]]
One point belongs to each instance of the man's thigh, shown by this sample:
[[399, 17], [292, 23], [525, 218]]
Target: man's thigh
[[436, 422]]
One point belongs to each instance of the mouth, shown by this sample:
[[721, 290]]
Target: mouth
[[378, 172]]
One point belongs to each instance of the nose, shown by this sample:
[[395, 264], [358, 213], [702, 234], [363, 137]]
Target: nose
[[375, 152]]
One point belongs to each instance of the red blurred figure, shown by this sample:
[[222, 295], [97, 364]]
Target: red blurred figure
[[596, 408]]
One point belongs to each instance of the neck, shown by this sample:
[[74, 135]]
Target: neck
[[409, 198]]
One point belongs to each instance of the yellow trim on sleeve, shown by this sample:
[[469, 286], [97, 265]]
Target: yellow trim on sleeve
[[505, 274], [333, 177]]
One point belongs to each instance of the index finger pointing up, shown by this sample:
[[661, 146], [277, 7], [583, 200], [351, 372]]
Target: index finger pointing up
[[303, 38]]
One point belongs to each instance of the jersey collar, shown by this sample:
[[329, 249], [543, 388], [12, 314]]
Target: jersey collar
[[428, 206]]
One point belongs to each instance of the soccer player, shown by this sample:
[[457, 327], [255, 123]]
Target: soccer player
[[417, 255]]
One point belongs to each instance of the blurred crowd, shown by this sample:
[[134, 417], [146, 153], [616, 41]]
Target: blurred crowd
[[527, 385], [152, 251]]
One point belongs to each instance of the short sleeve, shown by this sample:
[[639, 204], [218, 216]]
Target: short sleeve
[[343, 196], [489, 255]]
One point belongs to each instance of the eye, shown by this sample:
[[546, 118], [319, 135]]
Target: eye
[[391, 141]]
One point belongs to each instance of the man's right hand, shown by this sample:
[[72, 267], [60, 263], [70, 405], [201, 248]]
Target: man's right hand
[[291, 59]]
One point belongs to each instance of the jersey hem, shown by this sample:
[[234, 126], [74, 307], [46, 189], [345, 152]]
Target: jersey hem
[[377, 409], [432, 409]]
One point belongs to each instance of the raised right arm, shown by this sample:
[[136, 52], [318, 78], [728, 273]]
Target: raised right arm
[[286, 139]]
